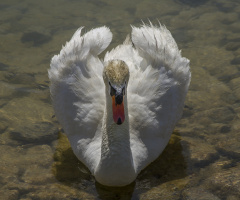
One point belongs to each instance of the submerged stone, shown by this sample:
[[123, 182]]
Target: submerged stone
[[35, 38], [198, 193], [193, 3], [3, 67], [235, 61], [39, 132]]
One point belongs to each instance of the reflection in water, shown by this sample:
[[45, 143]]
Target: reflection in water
[[170, 165], [67, 168], [112, 193]]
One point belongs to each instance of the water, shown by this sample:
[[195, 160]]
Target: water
[[202, 160]]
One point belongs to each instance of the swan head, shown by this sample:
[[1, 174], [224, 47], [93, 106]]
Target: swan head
[[116, 76]]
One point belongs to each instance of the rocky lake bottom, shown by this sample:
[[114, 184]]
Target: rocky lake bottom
[[202, 159]]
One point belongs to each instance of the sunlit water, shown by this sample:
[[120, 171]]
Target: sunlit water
[[202, 160]]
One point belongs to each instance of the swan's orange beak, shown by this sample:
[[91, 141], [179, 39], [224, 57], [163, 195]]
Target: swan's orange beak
[[118, 110]]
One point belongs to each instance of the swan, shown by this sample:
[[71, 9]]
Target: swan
[[118, 113]]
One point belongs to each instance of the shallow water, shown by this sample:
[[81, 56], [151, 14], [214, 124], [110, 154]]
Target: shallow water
[[202, 160]]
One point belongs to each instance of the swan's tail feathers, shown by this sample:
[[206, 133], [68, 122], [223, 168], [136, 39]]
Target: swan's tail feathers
[[158, 47]]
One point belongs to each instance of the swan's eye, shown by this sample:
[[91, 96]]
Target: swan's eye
[[112, 90]]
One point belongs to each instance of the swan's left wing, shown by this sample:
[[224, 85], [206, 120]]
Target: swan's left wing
[[77, 86], [156, 91]]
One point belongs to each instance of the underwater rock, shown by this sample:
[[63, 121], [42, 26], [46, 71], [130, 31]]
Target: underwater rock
[[225, 129], [235, 61], [39, 132], [9, 194], [30, 121], [170, 190], [3, 67], [58, 192], [221, 114], [232, 46], [193, 3], [41, 155], [198, 156], [199, 194], [235, 86], [226, 182], [3, 126], [37, 175], [225, 6], [20, 78], [35, 38]]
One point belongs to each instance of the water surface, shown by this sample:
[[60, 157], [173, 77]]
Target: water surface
[[202, 159]]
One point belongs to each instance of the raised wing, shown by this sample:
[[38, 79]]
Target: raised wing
[[77, 87], [156, 90]]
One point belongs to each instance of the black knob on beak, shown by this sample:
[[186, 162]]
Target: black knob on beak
[[119, 98]]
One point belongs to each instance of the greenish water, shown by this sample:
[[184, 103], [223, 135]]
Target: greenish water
[[202, 160]]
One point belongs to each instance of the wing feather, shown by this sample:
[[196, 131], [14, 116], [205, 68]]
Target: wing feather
[[163, 80], [77, 87], [156, 90]]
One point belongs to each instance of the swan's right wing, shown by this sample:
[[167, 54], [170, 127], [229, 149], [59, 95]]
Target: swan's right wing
[[77, 86]]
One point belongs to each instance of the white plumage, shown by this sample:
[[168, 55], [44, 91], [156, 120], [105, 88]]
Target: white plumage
[[156, 86]]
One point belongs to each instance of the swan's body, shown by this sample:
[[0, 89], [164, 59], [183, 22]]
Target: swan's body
[[119, 114]]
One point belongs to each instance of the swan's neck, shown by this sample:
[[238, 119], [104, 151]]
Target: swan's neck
[[116, 164]]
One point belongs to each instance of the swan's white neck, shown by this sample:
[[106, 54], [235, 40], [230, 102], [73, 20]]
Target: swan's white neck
[[116, 163]]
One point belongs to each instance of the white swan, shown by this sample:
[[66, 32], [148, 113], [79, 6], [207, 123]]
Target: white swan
[[119, 113]]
